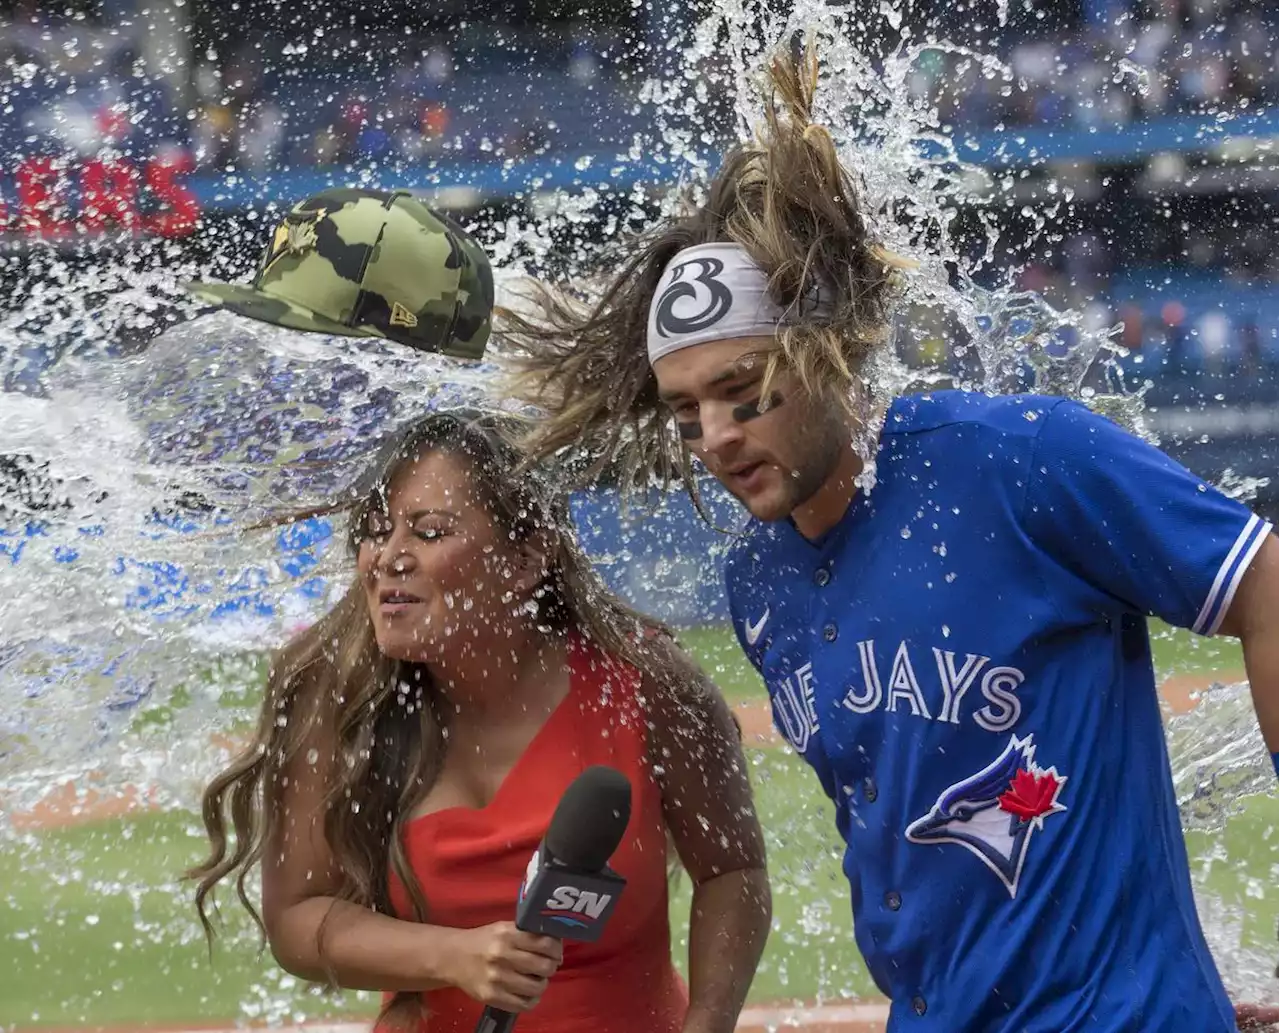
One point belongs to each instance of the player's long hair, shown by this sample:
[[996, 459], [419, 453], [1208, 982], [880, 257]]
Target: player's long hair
[[797, 211], [386, 717]]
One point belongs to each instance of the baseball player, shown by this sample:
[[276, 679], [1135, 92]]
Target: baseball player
[[946, 594]]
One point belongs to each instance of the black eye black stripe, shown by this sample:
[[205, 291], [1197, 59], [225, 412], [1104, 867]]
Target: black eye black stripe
[[750, 410], [691, 430]]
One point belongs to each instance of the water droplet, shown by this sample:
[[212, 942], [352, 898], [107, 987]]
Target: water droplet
[[905, 532]]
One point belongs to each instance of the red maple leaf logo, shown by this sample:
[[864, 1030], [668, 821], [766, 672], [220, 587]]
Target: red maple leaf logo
[[1030, 795]]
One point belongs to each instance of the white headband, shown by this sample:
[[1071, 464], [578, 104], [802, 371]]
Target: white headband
[[712, 292]]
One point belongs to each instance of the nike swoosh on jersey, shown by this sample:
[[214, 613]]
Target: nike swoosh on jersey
[[754, 630]]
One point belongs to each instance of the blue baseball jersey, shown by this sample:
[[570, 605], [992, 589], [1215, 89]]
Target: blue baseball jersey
[[964, 662]]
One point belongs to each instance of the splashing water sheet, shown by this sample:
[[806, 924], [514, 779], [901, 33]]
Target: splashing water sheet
[[136, 602]]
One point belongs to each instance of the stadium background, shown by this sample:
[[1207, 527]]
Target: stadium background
[[126, 123], [136, 133]]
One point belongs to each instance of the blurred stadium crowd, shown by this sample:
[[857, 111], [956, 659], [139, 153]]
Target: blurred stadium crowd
[[382, 92], [292, 99], [1174, 56]]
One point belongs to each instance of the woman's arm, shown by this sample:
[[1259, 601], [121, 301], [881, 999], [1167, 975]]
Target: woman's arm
[[361, 949], [709, 809]]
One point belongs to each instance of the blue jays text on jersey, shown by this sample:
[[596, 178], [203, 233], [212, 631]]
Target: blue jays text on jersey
[[964, 662]]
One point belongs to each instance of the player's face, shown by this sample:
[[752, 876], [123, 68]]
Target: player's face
[[772, 454], [434, 564]]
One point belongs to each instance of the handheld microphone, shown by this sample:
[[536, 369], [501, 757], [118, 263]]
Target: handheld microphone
[[569, 891]]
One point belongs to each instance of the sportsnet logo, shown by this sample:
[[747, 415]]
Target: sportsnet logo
[[574, 907], [555, 901]]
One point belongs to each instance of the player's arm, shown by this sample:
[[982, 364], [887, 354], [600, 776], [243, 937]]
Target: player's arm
[[1254, 618], [708, 806], [319, 937], [1150, 535], [1257, 1018]]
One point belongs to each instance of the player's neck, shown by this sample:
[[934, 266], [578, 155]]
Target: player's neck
[[825, 507]]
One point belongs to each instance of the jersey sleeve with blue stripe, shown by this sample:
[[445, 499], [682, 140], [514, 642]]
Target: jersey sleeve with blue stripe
[[1134, 524]]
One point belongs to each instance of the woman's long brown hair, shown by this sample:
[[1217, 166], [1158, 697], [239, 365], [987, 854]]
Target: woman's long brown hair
[[386, 714], [582, 356]]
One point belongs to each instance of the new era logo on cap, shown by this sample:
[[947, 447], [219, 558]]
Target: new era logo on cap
[[369, 263], [401, 316]]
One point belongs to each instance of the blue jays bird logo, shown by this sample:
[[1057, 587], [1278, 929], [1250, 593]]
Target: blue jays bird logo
[[994, 812]]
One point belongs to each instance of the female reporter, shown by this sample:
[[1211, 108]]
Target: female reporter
[[414, 743]]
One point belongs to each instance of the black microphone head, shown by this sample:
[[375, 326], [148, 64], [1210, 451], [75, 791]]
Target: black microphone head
[[590, 819]]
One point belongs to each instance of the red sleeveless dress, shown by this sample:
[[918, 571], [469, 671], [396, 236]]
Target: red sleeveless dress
[[470, 864]]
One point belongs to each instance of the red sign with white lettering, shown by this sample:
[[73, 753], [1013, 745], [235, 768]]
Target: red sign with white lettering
[[56, 199]]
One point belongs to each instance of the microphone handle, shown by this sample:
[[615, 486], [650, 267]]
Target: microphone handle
[[495, 1021]]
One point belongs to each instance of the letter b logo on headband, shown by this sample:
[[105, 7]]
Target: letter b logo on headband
[[703, 295], [713, 292]]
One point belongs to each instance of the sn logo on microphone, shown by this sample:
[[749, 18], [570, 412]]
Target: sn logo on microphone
[[567, 904], [583, 907]]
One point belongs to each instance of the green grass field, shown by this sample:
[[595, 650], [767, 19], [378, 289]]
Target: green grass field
[[96, 930]]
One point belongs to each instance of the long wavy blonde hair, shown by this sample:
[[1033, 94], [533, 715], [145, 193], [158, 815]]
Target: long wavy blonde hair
[[333, 673], [785, 198]]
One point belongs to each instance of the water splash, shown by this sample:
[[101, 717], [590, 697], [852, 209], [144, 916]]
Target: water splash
[[915, 180], [1131, 69], [134, 604], [132, 560], [1219, 758]]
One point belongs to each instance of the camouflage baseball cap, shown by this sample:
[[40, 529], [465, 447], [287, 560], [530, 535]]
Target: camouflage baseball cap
[[370, 263]]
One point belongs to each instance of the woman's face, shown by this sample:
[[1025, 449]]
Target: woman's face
[[434, 564]]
